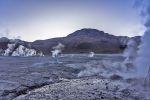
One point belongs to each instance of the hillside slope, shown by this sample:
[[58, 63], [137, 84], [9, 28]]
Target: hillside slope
[[80, 41]]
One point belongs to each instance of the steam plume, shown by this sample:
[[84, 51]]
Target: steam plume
[[143, 60], [130, 53], [91, 54], [57, 50]]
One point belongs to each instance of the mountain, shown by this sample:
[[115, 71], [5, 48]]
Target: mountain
[[84, 40]]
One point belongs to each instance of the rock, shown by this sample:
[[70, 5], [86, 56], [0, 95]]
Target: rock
[[82, 89], [116, 77], [3, 43], [4, 39]]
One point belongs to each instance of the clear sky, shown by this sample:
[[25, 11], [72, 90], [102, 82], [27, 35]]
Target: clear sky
[[43, 19]]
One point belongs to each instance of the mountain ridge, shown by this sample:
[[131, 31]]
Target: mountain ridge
[[80, 41]]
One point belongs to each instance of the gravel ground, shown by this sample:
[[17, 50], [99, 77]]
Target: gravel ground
[[84, 89], [40, 78]]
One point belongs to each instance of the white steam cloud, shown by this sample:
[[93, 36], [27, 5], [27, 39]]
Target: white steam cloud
[[130, 53], [91, 54], [143, 60], [57, 51], [7, 33]]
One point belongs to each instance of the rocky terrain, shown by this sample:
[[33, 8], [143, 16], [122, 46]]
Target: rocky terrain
[[80, 41], [84, 75], [85, 89], [40, 78]]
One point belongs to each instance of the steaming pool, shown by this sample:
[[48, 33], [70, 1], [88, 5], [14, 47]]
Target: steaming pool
[[29, 78]]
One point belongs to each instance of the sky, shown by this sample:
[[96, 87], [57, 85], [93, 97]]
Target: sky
[[43, 19]]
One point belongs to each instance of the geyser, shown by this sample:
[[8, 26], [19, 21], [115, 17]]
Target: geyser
[[57, 51], [130, 54], [91, 54], [143, 59]]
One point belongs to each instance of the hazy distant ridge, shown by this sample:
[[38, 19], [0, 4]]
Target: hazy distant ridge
[[84, 40]]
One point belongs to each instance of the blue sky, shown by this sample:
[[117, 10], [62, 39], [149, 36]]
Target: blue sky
[[43, 19]]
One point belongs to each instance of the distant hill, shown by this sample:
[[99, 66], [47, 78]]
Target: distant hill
[[80, 41]]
